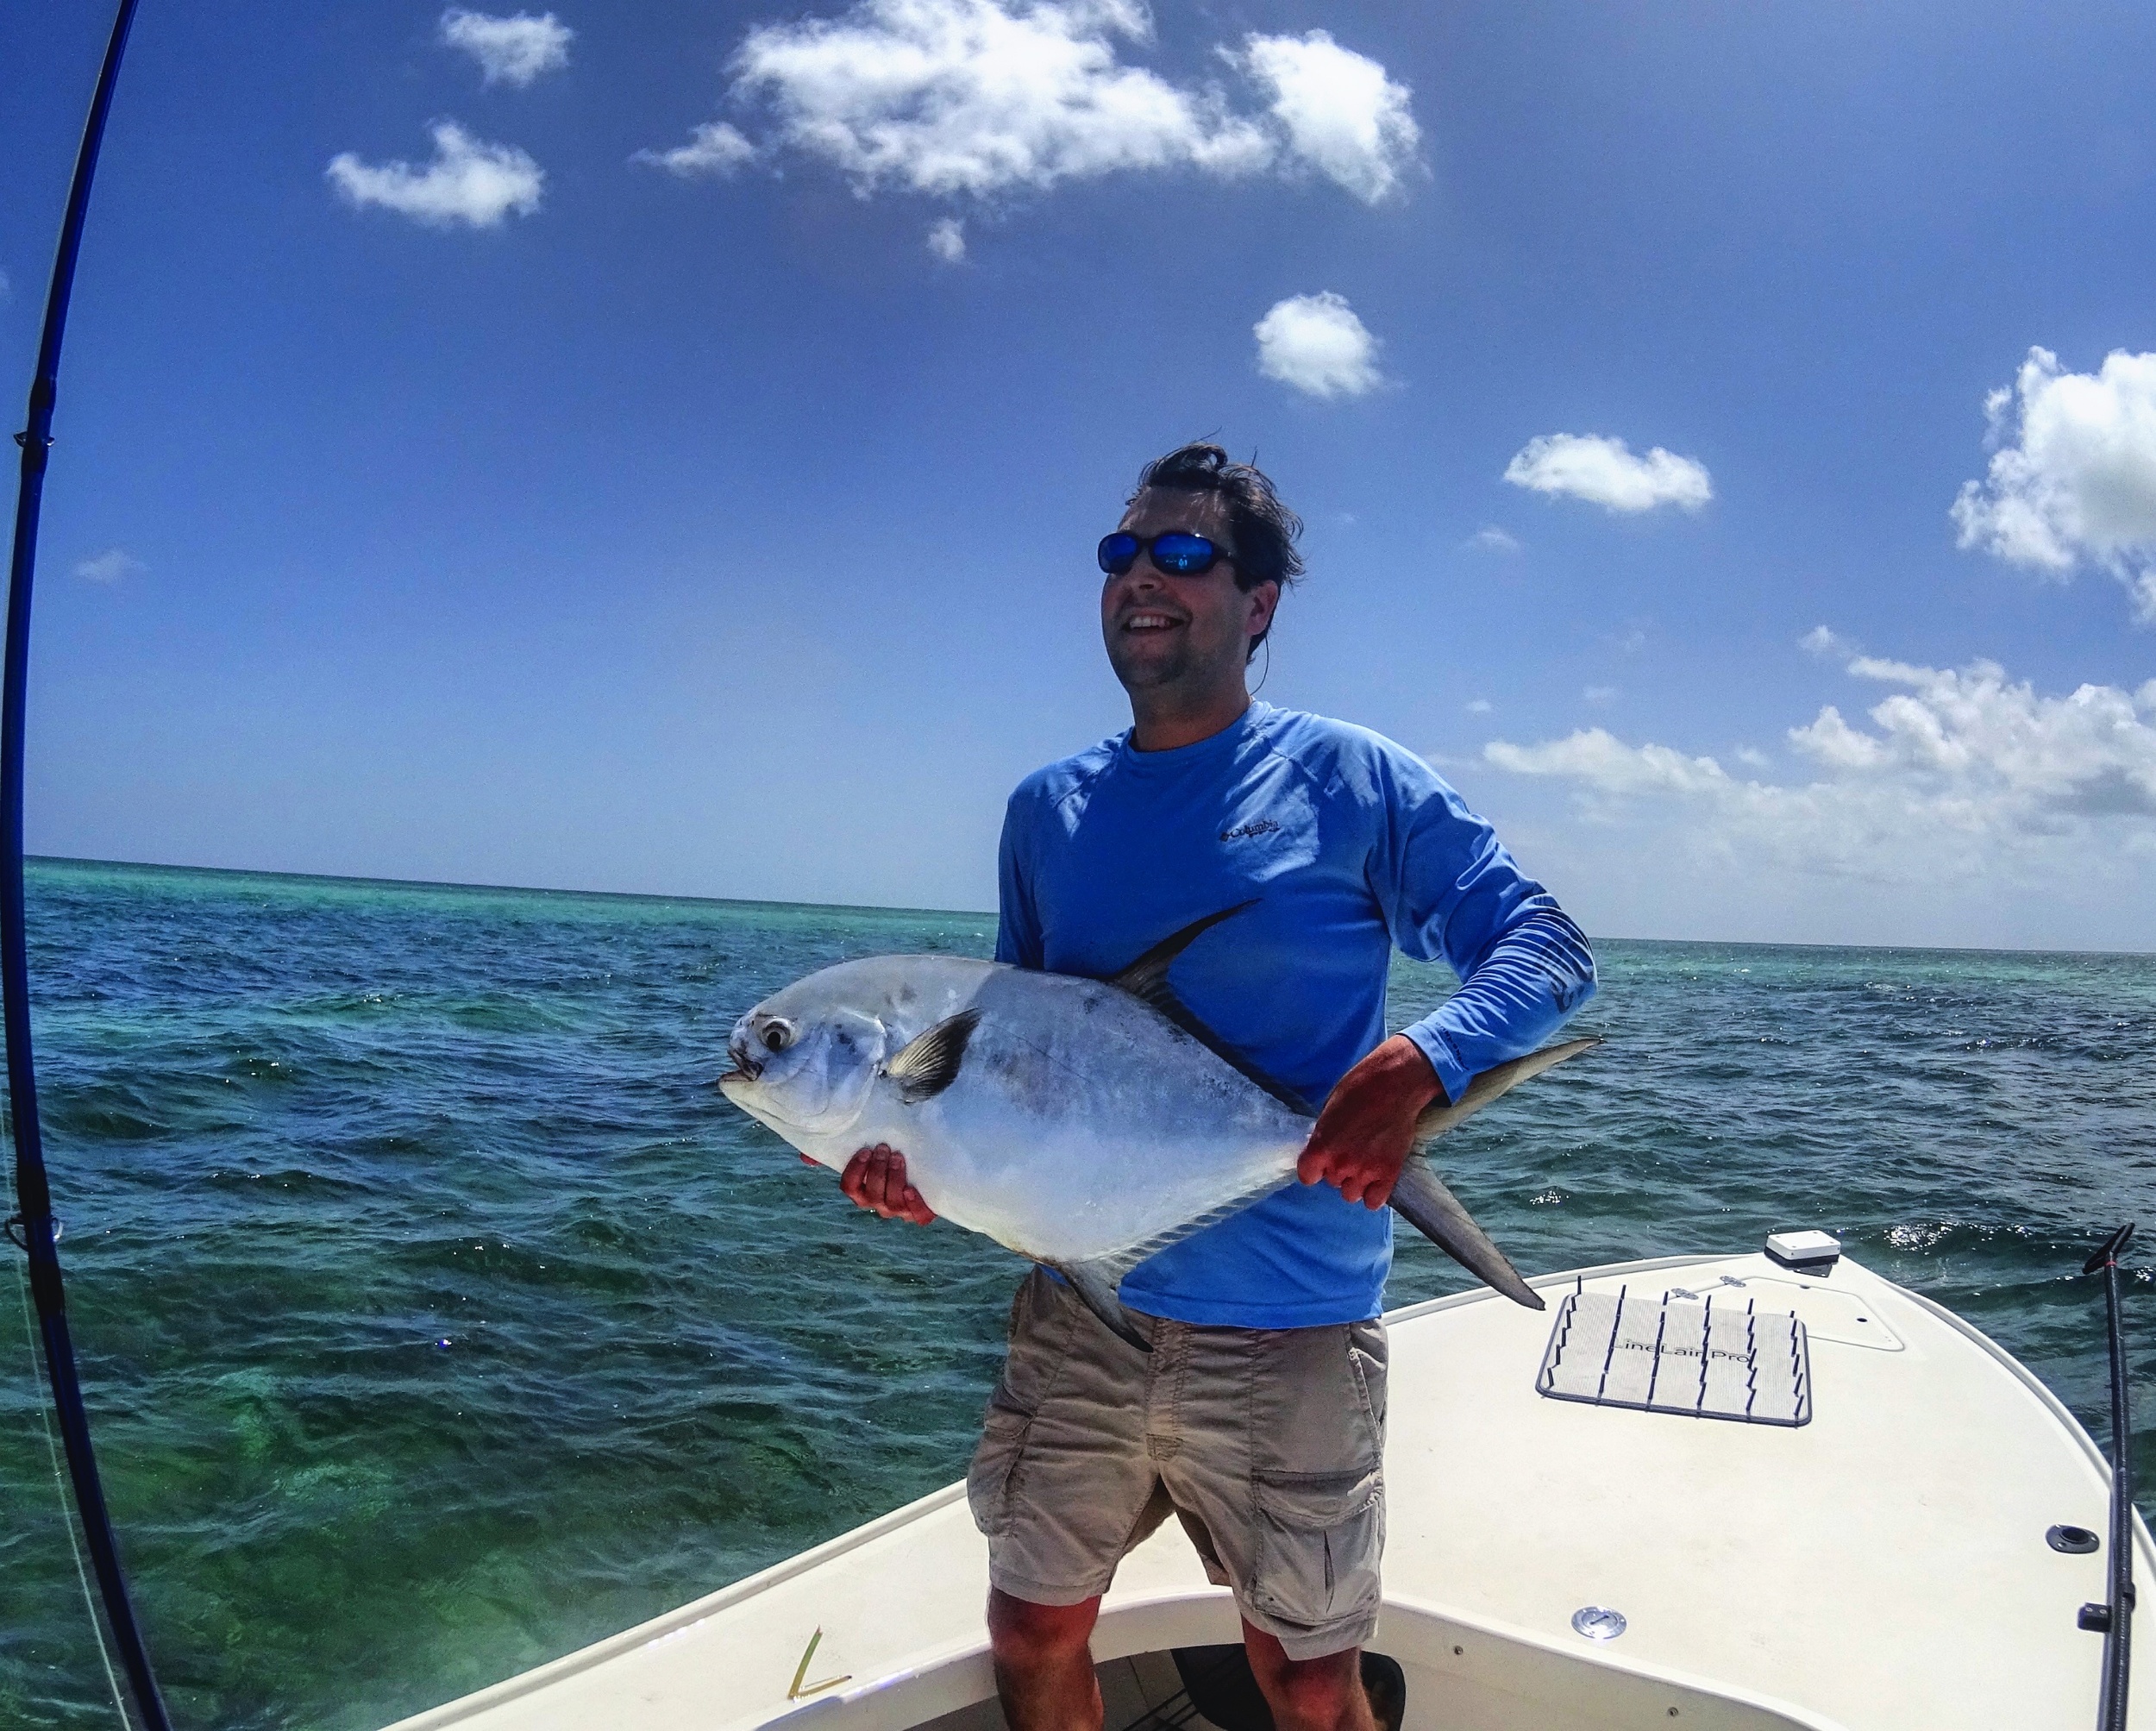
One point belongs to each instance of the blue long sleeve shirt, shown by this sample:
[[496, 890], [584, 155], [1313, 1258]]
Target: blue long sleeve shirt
[[1349, 844]]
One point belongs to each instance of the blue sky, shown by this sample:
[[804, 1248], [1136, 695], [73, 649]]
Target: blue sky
[[562, 518]]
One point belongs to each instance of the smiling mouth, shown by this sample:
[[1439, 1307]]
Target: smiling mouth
[[1148, 622]]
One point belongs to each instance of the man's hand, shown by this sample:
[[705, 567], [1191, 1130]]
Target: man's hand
[[1367, 1127], [876, 1179]]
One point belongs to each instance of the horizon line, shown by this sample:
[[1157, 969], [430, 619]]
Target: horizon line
[[974, 913]]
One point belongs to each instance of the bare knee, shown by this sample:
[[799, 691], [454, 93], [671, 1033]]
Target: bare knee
[[1308, 1694], [1027, 1636]]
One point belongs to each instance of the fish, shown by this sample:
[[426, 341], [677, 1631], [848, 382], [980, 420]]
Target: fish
[[1085, 1124]]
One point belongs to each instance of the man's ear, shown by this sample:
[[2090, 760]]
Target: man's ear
[[1264, 600]]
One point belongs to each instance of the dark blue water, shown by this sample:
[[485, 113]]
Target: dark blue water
[[438, 1316]]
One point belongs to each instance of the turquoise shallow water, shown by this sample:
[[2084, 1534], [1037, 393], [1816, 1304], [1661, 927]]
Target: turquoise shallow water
[[438, 1316]]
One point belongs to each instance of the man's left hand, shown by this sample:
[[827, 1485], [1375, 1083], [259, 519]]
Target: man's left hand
[[1367, 1129]]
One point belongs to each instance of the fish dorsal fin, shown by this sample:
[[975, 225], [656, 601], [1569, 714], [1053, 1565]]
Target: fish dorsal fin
[[928, 1063], [1147, 979], [1149, 973]]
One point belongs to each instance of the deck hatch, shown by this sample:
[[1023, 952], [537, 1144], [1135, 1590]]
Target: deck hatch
[[1669, 1355]]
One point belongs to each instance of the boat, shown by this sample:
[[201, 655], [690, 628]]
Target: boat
[[1760, 1491]]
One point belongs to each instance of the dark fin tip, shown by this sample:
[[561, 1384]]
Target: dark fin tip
[[1146, 979], [1097, 1291]]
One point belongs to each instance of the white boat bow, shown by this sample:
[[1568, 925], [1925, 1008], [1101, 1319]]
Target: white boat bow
[[1882, 1566]]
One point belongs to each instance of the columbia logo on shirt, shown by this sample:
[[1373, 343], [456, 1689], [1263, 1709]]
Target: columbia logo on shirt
[[1243, 832]]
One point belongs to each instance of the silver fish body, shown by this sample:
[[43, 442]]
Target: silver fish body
[[1085, 1123], [1081, 1123]]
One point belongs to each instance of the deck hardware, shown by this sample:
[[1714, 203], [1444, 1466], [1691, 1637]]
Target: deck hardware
[[1616, 1324], [1806, 1253], [798, 1691], [1598, 1623], [2075, 1541], [2096, 1619], [1670, 1355]]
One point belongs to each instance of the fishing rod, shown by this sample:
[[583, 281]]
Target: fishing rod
[[33, 1228], [2115, 1618]]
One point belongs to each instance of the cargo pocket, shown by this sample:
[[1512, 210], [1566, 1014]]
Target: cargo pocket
[[1320, 1538], [994, 1474]]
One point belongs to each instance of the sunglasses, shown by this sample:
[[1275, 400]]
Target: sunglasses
[[1177, 552]]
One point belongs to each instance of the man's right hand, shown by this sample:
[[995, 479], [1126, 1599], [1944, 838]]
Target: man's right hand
[[876, 1179]]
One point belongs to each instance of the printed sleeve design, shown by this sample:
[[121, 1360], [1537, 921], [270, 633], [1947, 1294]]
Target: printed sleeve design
[[1451, 893]]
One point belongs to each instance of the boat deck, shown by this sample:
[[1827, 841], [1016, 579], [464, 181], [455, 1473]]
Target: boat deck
[[1881, 1566]]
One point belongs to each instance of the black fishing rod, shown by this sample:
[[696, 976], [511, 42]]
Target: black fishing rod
[[32, 1226], [2115, 1618]]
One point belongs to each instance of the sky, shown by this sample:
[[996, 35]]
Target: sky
[[660, 449]]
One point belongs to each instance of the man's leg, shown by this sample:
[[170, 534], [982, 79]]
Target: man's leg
[[1307, 1694], [1044, 1663]]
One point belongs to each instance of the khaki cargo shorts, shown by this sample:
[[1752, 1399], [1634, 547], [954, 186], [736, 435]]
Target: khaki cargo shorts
[[1267, 1444]]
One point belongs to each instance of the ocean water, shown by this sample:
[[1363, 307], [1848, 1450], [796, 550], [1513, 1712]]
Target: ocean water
[[438, 1316]]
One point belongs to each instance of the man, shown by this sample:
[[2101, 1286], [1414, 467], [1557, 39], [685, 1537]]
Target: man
[[1258, 1417]]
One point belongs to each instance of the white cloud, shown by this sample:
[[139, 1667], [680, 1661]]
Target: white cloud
[[1480, 705], [514, 50], [2074, 478], [1337, 109], [713, 149], [1599, 694], [948, 97], [978, 98], [947, 240], [1314, 344], [1605, 765], [1961, 774], [468, 181], [111, 567], [1820, 641], [1605, 472], [1492, 539]]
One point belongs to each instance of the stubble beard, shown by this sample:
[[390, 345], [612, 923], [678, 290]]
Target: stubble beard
[[1148, 671]]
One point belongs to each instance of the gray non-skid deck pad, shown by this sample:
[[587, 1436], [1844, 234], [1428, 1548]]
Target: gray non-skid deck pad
[[1666, 1355]]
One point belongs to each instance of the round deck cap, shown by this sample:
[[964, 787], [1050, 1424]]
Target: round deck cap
[[1598, 1623]]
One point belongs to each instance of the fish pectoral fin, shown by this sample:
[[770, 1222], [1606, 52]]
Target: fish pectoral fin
[[1093, 1283], [1422, 1197], [1146, 979], [1492, 1083], [929, 1063]]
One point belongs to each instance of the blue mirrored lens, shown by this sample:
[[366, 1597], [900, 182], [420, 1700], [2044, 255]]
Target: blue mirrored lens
[[1183, 555], [1117, 553]]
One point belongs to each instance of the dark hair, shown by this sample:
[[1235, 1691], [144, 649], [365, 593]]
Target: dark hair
[[1265, 529]]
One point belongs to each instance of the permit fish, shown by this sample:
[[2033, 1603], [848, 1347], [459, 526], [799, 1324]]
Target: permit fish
[[1085, 1123]]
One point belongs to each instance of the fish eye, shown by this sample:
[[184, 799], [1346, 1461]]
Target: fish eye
[[778, 1036]]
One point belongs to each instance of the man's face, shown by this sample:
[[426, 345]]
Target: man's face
[[1166, 630]]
